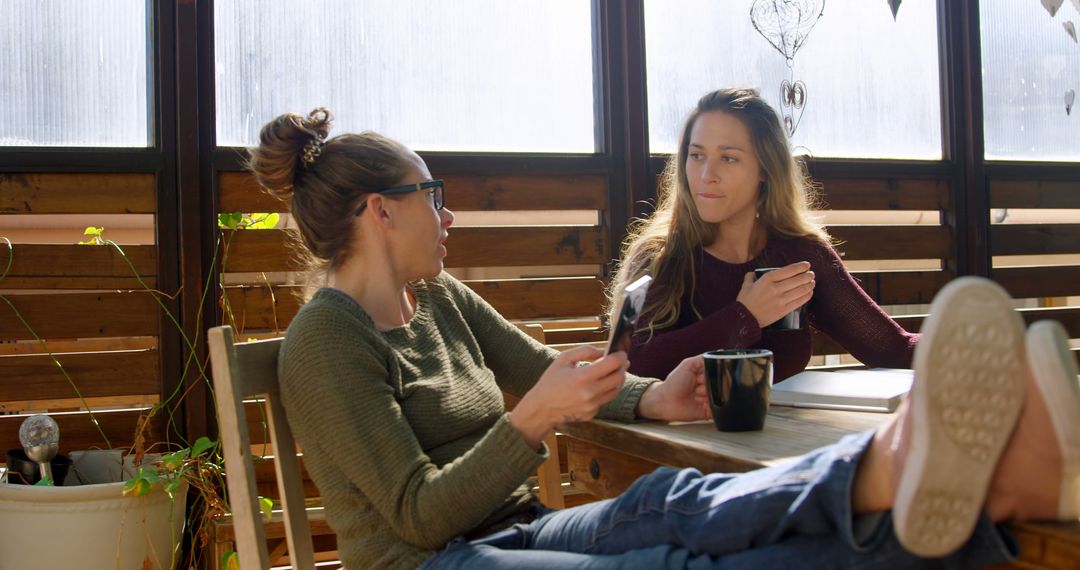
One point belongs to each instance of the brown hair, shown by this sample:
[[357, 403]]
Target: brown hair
[[324, 181], [664, 244]]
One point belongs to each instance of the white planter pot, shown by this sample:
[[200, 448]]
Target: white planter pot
[[90, 527]]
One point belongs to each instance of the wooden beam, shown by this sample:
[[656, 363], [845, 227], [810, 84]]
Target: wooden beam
[[902, 287], [527, 246], [239, 192], [555, 298], [884, 194], [1068, 317], [1040, 281], [261, 307], [77, 193], [78, 432], [1034, 239], [78, 315], [892, 242], [486, 193], [259, 250], [1034, 194], [39, 266], [267, 250], [96, 374]]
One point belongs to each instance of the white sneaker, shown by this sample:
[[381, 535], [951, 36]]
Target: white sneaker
[[1054, 369], [968, 392]]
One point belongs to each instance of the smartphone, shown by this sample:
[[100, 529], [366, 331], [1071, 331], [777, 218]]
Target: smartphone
[[633, 302]]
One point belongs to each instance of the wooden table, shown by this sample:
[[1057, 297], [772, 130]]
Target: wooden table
[[604, 457]]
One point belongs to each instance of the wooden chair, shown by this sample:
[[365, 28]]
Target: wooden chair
[[549, 476], [250, 369], [243, 371]]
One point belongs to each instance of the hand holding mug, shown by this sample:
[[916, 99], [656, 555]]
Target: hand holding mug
[[777, 292]]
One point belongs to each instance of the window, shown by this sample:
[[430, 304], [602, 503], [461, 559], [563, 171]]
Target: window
[[872, 83], [74, 73], [467, 75], [1030, 65]]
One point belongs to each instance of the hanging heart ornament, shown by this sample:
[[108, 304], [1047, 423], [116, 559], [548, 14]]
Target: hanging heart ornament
[[786, 23], [792, 104], [1070, 28], [1052, 6], [1070, 98]]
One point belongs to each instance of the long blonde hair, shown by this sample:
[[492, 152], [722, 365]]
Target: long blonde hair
[[663, 245]]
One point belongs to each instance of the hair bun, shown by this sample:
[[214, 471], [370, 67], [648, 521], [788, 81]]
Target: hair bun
[[318, 121], [282, 142]]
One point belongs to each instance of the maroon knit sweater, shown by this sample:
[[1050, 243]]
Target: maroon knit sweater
[[839, 308]]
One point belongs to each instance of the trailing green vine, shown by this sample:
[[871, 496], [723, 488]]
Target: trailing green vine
[[200, 463]]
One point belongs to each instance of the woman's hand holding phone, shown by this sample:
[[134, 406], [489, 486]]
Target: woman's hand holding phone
[[633, 302], [568, 393]]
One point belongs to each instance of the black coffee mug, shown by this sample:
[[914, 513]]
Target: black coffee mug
[[792, 321], [739, 382], [23, 471]]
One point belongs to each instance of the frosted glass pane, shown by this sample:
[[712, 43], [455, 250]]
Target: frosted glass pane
[[872, 83], [470, 75], [1029, 63], [74, 73]]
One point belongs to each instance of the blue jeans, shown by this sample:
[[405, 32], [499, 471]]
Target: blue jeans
[[796, 515]]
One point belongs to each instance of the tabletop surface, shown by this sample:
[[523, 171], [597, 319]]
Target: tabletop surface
[[788, 432]]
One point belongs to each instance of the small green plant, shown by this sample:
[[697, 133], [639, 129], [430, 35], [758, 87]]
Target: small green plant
[[199, 465], [95, 236], [192, 464], [242, 221]]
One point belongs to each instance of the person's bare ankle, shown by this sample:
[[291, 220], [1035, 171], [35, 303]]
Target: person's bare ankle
[[1027, 481], [877, 477]]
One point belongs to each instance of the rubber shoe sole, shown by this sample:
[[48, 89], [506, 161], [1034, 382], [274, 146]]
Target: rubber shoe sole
[[1054, 369], [968, 391]]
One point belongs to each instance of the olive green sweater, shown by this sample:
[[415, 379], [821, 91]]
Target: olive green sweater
[[405, 431]]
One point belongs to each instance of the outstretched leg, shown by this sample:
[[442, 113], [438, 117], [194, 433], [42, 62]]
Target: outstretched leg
[[1047, 436], [970, 367]]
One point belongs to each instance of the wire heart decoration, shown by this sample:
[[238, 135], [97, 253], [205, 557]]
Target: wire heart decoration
[[792, 101], [786, 23]]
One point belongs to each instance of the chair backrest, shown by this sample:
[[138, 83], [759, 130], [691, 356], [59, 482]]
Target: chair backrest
[[549, 475], [243, 371]]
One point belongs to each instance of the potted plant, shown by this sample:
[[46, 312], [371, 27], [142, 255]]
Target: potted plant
[[130, 515]]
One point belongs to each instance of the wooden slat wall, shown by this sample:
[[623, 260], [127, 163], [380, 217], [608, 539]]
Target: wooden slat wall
[[885, 243], [251, 251], [77, 193], [262, 307], [97, 374], [258, 306], [268, 250], [1041, 278], [37, 266], [238, 192], [105, 306]]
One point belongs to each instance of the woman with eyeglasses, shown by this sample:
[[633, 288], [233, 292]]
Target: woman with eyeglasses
[[391, 376], [734, 199]]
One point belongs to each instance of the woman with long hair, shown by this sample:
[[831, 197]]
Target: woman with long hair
[[391, 373], [734, 199]]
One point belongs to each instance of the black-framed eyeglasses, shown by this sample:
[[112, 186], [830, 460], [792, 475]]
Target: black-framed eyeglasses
[[438, 193]]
